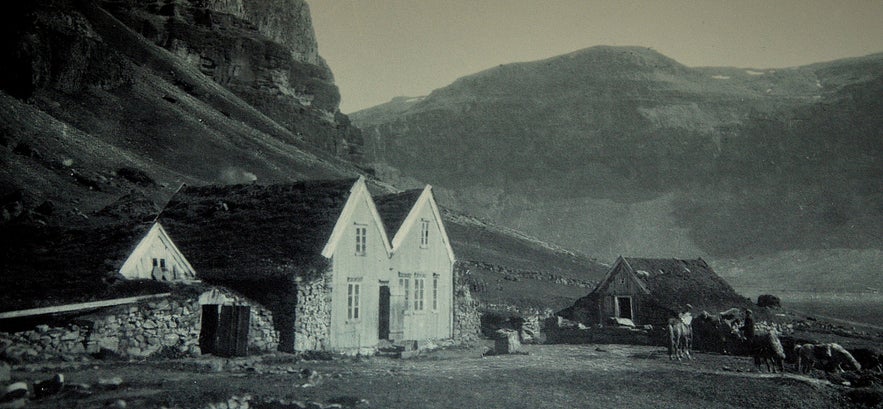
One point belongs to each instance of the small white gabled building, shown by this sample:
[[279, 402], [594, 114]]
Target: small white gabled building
[[156, 257]]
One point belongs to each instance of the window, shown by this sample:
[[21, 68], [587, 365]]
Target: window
[[418, 294], [352, 300], [424, 233], [403, 284], [159, 262], [361, 240], [435, 292]]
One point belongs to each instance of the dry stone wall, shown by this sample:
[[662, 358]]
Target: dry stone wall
[[467, 321], [312, 326], [168, 326]]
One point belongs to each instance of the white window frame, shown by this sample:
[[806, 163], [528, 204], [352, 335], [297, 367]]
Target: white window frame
[[353, 300], [424, 233], [404, 284], [361, 239], [419, 293], [435, 292]]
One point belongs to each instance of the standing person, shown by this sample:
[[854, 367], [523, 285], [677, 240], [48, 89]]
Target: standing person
[[748, 326]]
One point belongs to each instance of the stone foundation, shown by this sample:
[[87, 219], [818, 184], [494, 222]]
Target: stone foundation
[[168, 327]]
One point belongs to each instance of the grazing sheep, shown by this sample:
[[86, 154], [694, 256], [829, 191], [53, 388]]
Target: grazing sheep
[[809, 354]]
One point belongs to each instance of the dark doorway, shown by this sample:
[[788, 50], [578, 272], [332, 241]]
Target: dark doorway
[[625, 307], [224, 330], [383, 330], [208, 333]]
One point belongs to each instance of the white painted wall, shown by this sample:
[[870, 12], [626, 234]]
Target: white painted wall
[[429, 262], [156, 244], [349, 267]]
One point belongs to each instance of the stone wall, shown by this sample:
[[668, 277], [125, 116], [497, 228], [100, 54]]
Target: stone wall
[[467, 321], [312, 325], [168, 326]]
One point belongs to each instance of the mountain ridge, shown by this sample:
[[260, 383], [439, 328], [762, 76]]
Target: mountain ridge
[[739, 161]]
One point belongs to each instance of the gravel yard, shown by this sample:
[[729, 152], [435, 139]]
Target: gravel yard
[[545, 376]]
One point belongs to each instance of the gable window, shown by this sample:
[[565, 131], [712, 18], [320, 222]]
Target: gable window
[[424, 234], [159, 262], [418, 293], [435, 292], [353, 300], [361, 239]]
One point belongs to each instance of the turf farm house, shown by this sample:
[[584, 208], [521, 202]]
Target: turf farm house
[[317, 254], [650, 291]]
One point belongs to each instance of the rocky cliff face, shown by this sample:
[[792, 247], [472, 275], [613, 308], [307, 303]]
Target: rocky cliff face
[[287, 22], [263, 51]]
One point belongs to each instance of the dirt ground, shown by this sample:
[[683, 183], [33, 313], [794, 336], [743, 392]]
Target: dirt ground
[[545, 376]]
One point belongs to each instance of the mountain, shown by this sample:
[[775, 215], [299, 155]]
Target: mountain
[[622, 150], [107, 107]]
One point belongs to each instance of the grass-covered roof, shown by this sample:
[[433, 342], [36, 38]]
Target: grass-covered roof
[[46, 265], [394, 208], [675, 283], [251, 231]]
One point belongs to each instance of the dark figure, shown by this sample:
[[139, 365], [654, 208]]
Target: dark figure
[[748, 326]]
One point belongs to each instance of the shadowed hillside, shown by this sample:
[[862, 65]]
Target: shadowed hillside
[[109, 106], [621, 150]]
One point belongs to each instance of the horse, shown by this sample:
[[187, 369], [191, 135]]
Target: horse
[[680, 336], [809, 354], [841, 357], [766, 348]]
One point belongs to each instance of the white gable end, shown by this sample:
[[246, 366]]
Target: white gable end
[[157, 258], [359, 195], [412, 221]]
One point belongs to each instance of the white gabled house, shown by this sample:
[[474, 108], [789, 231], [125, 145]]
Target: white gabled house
[[317, 254], [421, 267], [156, 257]]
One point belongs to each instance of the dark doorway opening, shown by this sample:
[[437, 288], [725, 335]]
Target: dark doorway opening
[[383, 326], [625, 307], [224, 330]]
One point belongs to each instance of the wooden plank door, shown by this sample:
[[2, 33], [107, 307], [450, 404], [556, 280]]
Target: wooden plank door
[[383, 321]]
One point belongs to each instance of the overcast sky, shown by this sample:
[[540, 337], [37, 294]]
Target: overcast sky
[[379, 49]]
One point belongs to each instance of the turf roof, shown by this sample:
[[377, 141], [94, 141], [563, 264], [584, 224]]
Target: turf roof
[[255, 231], [676, 283], [48, 265], [394, 208]]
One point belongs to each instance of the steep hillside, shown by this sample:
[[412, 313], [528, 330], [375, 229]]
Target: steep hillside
[[621, 150], [107, 107]]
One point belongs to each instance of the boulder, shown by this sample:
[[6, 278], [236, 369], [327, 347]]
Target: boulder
[[506, 342]]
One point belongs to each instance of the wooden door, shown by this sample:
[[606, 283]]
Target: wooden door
[[383, 321], [225, 332]]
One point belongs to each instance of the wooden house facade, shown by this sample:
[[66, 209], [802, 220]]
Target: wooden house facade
[[650, 291], [421, 281]]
